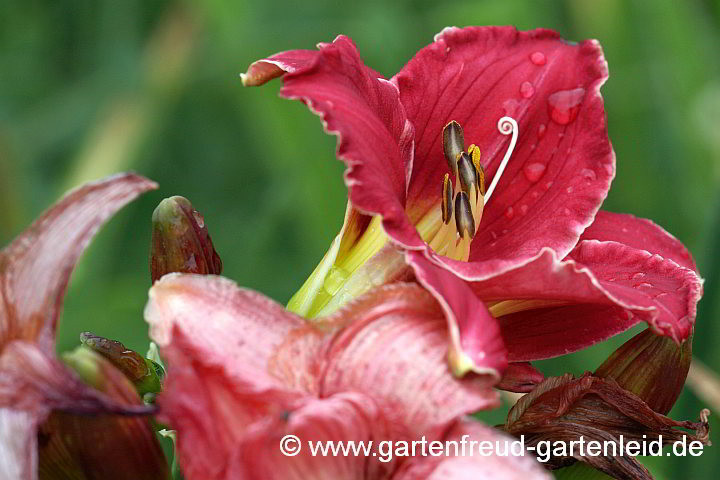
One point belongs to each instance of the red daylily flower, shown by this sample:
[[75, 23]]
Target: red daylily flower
[[556, 274], [34, 273], [244, 372]]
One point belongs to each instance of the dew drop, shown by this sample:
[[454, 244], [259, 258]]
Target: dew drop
[[527, 90], [638, 276], [509, 213], [535, 194], [569, 189], [199, 219], [533, 171], [548, 185], [566, 211], [524, 208], [335, 279], [538, 58], [510, 106], [588, 174], [563, 106], [541, 131], [642, 285]]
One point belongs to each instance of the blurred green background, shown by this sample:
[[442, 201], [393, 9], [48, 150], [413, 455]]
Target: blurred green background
[[93, 87]]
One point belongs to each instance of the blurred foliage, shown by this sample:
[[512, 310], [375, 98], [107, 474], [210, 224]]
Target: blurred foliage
[[92, 87]]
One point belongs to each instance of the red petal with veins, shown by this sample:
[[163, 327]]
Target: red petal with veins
[[638, 233], [601, 289], [475, 465], [375, 139], [349, 417], [474, 333], [560, 170], [394, 349], [35, 268]]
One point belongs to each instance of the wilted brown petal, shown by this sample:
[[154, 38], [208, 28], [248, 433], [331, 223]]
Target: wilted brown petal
[[567, 408]]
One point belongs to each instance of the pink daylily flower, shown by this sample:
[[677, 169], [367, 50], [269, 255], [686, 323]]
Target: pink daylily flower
[[244, 372], [34, 273], [552, 271]]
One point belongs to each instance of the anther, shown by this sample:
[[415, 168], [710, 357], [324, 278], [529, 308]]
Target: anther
[[464, 220], [447, 200], [453, 144], [467, 176]]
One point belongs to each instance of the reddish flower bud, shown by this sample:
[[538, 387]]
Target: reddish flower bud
[[180, 241], [144, 373], [652, 367], [103, 446]]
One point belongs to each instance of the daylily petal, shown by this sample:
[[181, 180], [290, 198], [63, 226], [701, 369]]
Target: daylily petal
[[18, 436], [474, 466], [375, 139], [36, 266], [394, 349], [475, 341], [638, 233], [247, 347], [348, 417], [601, 289], [563, 163], [236, 329]]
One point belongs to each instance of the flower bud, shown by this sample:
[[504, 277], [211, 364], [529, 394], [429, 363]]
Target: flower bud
[[652, 367], [103, 446], [144, 373], [180, 241]]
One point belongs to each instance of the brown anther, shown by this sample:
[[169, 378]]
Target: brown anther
[[453, 144], [447, 200], [467, 174], [464, 221]]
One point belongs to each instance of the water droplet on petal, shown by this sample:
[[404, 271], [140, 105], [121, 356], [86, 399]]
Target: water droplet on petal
[[588, 174], [533, 171], [510, 106], [548, 185], [643, 285], [541, 131], [199, 219], [524, 209], [563, 106], [527, 90], [638, 275], [566, 211], [509, 213], [538, 58], [569, 189]]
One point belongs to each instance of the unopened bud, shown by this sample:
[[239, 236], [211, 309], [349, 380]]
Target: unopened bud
[[144, 373], [180, 241], [652, 367]]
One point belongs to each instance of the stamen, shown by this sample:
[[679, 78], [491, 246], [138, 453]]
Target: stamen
[[453, 144], [506, 126], [474, 152], [447, 200], [464, 220], [466, 174]]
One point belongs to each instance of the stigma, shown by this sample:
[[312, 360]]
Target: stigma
[[463, 202]]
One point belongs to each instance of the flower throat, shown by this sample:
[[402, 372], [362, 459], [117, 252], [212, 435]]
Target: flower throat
[[448, 230]]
